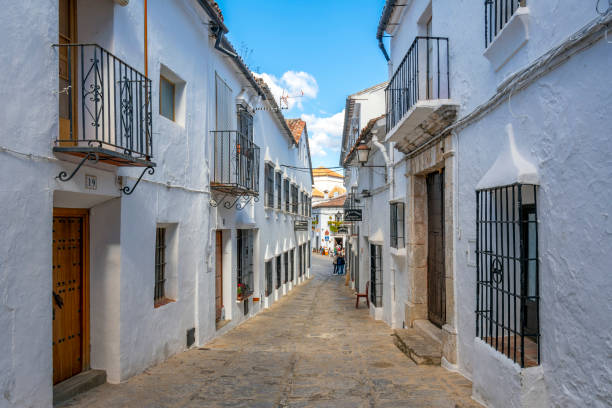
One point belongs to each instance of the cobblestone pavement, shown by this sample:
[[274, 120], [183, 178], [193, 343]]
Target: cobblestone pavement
[[310, 349]]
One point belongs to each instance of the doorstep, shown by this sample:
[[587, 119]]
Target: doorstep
[[422, 344], [78, 384]]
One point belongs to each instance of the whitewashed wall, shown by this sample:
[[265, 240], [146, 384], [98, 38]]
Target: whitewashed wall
[[561, 122]]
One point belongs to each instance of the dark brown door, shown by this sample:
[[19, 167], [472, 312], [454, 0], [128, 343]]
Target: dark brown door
[[219, 275], [69, 302], [436, 293]]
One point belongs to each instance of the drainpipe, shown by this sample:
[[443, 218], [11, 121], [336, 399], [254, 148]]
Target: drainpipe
[[382, 26]]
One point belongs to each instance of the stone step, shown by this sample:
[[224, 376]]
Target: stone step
[[78, 384], [418, 345]]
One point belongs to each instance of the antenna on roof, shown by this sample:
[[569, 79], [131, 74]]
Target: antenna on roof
[[284, 99]]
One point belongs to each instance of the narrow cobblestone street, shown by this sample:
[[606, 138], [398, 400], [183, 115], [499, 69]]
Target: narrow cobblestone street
[[311, 349]]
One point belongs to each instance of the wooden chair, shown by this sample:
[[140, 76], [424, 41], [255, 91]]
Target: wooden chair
[[364, 295]]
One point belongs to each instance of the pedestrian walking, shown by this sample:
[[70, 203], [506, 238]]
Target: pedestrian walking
[[340, 264], [335, 262]]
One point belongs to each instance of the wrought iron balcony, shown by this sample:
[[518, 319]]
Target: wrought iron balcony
[[104, 108], [423, 74], [497, 14], [418, 95], [236, 164]]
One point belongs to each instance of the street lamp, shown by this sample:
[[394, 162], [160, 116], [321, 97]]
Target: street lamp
[[363, 151]]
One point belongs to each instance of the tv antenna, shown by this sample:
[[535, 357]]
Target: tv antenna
[[284, 99]]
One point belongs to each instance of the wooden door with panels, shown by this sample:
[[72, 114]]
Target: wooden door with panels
[[218, 274], [436, 283], [70, 293], [67, 71]]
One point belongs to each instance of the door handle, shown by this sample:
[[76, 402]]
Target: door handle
[[58, 300]]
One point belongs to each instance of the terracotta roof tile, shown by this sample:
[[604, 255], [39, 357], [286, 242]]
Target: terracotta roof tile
[[322, 171], [215, 6], [317, 193], [334, 202], [297, 128]]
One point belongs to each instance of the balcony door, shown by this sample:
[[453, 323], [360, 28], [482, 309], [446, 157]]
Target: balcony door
[[67, 69]]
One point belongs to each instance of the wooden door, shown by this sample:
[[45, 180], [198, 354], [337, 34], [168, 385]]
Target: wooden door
[[436, 286], [70, 284], [218, 275], [67, 70]]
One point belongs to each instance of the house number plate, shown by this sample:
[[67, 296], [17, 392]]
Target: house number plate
[[91, 182]]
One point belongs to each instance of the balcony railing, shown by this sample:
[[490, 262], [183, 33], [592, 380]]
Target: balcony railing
[[423, 74], [236, 164], [105, 107], [497, 14]]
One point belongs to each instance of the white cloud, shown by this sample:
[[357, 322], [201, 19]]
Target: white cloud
[[292, 83], [325, 133]]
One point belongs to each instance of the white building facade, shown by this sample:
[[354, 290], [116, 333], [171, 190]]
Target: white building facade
[[493, 127], [163, 138]]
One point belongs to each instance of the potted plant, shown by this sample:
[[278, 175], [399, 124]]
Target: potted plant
[[241, 291]]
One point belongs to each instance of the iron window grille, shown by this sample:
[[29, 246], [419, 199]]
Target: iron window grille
[[278, 271], [376, 275], [279, 187], [107, 105], [286, 261], [292, 262], [423, 74], [245, 259], [269, 186], [507, 272], [309, 253], [160, 265], [294, 199], [268, 278], [287, 197], [397, 225], [497, 15]]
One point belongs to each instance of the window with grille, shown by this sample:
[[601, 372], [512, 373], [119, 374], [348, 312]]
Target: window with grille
[[286, 193], [292, 262], [279, 198], [294, 199], [309, 253], [286, 261], [497, 14], [160, 265], [245, 259], [507, 274], [376, 275], [300, 260], [269, 175], [268, 278], [278, 271], [397, 225]]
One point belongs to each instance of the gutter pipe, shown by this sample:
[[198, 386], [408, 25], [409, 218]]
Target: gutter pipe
[[382, 26]]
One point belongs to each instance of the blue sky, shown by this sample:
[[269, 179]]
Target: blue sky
[[326, 49]]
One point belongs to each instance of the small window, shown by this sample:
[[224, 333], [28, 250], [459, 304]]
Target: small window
[[160, 266], [292, 263], [286, 261], [294, 199], [279, 201], [497, 14], [278, 271], [376, 275], [268, 278], [286, 193], [397, 225], [269, 192], [166, 98], [245, 261]]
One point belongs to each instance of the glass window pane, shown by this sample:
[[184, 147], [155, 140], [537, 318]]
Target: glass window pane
[[166, 98]]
